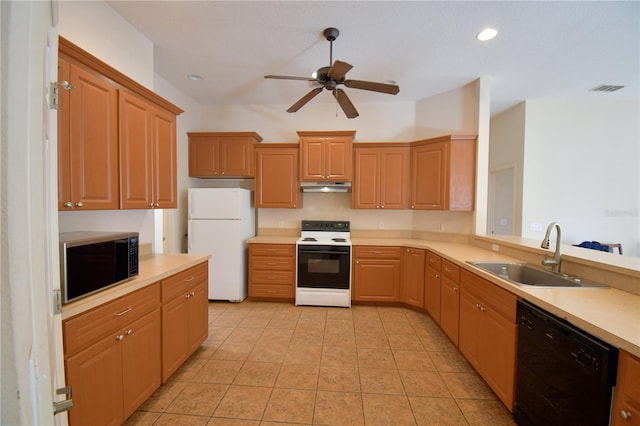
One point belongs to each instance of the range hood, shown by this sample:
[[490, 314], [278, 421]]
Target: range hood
[[325, 186]]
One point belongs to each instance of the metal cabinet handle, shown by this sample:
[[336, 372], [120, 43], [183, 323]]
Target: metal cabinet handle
[[68, 204], [151, 205], [128, 332], [625, 414], [156, 204], [79, 204], [119, 337], [188, 296], [119, 314], [447, 269], [191, 278], [455, 289]]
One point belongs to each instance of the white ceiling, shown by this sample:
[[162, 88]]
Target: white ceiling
[[544, 50]]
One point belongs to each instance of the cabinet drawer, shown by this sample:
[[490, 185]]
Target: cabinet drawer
[[434, 261], [273, 249], [272, 277], [451, 271], [272, 263], [181, 282], [497, 298], [377, 252], [87, 328], [272, 291]]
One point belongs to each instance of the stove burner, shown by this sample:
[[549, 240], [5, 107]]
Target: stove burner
[[339, 240], [309, 239]]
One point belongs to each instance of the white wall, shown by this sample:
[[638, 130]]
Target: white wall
[[451, 112], [582, 169]]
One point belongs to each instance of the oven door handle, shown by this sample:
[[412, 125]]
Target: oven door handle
[[302, 251]]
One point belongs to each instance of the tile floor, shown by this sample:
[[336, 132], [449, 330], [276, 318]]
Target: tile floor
[[277, 363]]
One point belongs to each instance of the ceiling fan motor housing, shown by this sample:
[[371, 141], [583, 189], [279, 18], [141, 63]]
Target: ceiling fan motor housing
[[331, 33]]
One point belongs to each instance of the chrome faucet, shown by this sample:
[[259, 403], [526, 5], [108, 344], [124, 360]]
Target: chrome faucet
[[555, 262]]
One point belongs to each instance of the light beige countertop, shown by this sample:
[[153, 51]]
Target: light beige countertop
[[608, 313], [151, 268]]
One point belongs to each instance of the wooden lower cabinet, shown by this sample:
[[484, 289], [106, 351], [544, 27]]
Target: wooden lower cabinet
[[626, 402], [112, 373], [487, 334], [432, 286], [272, 271], [414, 268], [377, 274], [450, 300], [184, 316]]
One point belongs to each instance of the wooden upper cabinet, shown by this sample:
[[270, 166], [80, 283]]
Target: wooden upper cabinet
[[87, 141], [381, 176], [222, 154], [326, 156], [443, 173], [277, 183], [147, 155], [116, 139]]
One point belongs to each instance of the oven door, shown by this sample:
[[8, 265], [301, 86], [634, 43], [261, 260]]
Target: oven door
[[324, 266]]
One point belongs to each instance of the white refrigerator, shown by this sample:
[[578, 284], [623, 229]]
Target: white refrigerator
[[220, 220]]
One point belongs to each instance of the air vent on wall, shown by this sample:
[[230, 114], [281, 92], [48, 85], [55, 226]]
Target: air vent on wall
[[606, 88]]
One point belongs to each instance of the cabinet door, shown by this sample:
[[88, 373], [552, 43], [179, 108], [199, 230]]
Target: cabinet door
[[394, 178], [432, 294], [498, 354], [165, 176], [277, 184], [470, 328], [626, 402], [235, 157], [93, 142], [450, 308], [366, 189], [94, 375], [428, 172], [414, 267], [64, 158], [141, 361], [135, 152], [203, 157], [198, 305], [376, 280], [175, 339], [338, 157], [312, 163]]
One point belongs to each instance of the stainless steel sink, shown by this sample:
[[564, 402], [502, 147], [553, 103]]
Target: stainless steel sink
[[524, 275]]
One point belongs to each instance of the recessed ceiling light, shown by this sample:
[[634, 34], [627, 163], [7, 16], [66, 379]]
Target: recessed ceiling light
[[194, 77], [487, 34]]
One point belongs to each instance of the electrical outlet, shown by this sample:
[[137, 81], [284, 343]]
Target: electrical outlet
[[495, 247], [441, 227], [380, 225], [280, 223]]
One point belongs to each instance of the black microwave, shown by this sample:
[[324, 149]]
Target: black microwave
[[93, 261]]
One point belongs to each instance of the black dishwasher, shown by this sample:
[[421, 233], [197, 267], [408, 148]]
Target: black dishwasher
[[564, 376]]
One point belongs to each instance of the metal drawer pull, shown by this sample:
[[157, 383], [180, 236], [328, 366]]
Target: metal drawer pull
[[128, 332], [119, 337], [455, 288], [119, 314], [191, 278], [625, 414]]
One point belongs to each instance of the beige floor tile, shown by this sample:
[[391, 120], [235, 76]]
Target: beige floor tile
[[339, 338], [385, 410], [163, 396], [397, 327], [372, 340], [198, 399], [437, 343], [234, 351], [244, 335], [218, 371], [413, 360], [219, 334], [258, 321], [307, 336], [339, 378], [189, 369], [303, 354], [424, 383], [436, 411], [376, 358], [479, 412], [467, 386], [368, 325], [268, 352], [339, 355], [142, 418], [339, 314], [373, 380], [219, 421], [290, 405], [339, 325], [181, 420], [298, 376], [243, 402], [286, 323], [409, 342], [276, 335], [450, 362], [257, 374], [338, 408]]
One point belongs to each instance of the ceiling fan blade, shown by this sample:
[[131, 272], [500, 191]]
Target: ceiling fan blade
[[338, 70], [288, 77], [306, 98], [391, 89], [345, 103]]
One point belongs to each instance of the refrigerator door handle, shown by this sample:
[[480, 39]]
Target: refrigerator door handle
[[189, 236]]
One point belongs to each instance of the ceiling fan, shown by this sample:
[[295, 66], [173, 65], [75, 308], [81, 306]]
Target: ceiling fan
[[330, 77]]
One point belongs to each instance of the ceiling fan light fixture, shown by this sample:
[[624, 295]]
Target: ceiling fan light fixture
[[487, 34]]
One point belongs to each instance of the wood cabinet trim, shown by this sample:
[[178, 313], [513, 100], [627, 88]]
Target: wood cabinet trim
[[206, 135], [330, 133], [75, 54]]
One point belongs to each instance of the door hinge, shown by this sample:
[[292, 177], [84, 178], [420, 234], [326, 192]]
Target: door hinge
[[57, 302], [67, 404], [54, 92]]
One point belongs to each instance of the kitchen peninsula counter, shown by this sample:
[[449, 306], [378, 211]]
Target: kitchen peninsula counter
[[152, 268]]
